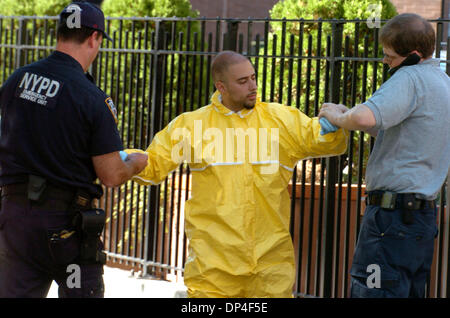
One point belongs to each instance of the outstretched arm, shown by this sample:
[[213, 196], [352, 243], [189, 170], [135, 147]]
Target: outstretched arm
[[162, 158], [305, 140], [112, 171], [359, 117]]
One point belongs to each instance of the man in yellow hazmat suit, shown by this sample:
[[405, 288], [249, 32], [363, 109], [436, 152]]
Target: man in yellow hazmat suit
[[241, 153]]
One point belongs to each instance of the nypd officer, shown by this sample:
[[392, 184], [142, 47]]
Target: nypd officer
[[58, 135]]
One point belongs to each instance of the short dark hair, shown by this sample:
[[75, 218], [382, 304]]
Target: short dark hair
[[78, 35], [408, 32], [222, 61]]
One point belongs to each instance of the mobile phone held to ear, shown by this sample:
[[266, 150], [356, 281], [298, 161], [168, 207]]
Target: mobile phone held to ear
[[412, 59]]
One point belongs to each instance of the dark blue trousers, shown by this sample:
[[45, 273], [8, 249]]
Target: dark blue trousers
[[31, 258], [403, 253]]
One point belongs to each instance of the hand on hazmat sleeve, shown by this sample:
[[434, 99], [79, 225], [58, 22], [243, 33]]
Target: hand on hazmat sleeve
[[326, 126], [136, 157], [327, 116]]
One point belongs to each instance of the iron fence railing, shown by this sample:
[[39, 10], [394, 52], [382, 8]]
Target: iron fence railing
[[157, 68]]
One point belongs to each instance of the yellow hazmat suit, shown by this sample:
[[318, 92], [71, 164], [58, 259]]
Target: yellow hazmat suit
[[237, 219]]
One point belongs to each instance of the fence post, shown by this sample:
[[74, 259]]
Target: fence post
[[439, 38], [447, 203], [447, 67], [21, 40], [232, 35], [327, 249], [447, 199], [156, 109]]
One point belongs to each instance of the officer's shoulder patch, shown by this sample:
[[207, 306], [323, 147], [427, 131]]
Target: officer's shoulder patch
[[112, 107]]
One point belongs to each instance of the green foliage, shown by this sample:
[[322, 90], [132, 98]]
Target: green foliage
[[305, 78], [302, 32], [148, 8], [32, 7], [113, 8], [363, 10], [330, 9]]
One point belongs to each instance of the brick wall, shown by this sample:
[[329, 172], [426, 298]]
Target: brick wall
[[240, 9], [429, 9], [233, 8]]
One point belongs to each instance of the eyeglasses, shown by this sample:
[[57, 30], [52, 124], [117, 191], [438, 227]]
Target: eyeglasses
[[389, 57]]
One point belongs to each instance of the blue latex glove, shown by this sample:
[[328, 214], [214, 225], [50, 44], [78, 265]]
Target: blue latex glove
[[123, 155], [326, 126]]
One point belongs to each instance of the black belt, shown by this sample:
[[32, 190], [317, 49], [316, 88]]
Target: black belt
[[67, 199], [391, 201]]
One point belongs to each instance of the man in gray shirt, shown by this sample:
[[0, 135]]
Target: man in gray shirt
[[410, 117]]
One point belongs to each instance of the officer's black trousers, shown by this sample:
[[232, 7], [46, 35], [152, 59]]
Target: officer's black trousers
[[37, 247]]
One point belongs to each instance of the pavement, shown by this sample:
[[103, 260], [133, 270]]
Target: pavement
[[120, 283]]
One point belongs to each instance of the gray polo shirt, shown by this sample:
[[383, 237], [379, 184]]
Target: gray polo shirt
[[412, 148]]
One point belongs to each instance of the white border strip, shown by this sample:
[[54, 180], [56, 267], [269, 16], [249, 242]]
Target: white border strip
[[217, 164]]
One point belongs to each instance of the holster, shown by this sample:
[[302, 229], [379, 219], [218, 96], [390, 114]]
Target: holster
[[90, 223], [36, 188], [406, 202], [409, 205]]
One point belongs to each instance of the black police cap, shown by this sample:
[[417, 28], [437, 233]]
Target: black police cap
[[89, 15]]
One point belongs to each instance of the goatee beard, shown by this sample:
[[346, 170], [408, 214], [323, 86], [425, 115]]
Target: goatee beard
[[249, 106]]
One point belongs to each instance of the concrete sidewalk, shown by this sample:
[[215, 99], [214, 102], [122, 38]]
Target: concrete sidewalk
[[121, 284]]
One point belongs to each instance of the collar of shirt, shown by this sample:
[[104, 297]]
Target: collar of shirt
[[432, 61], [66, 59], [221, 108]]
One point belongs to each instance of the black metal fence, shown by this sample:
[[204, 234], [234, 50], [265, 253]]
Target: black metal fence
[[157, 68]]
